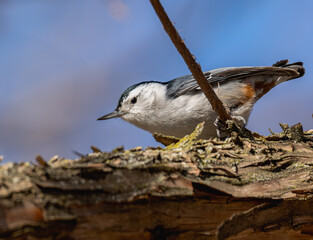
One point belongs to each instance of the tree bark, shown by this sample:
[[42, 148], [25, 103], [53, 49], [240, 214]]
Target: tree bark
[[194, 189]]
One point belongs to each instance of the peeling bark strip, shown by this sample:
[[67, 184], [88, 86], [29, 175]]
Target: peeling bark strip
[[192, 189], [189, 59]]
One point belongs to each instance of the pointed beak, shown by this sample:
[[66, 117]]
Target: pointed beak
[[113, 114]]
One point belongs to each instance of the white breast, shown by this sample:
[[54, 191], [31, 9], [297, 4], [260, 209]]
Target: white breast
[[179, 116]]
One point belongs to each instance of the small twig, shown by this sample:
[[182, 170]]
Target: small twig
[[95, 149], [41, 161], [189, 59]]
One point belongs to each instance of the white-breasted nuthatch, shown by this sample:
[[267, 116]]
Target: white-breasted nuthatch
[[176, 107]]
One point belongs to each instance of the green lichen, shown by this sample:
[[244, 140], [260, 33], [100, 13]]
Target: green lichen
[[188, 141]]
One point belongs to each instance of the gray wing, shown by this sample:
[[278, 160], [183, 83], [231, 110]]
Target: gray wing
[[187, 84], [184, 84]]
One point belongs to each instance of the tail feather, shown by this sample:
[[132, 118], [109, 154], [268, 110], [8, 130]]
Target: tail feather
[[280, 71], [297, 66], [281, 63]]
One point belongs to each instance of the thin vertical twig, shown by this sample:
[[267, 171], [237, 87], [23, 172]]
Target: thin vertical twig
[[193, 66]]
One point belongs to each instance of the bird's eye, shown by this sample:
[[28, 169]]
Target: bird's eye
[[134, 100]]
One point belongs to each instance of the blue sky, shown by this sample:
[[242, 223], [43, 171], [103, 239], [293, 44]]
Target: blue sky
[[65, 63]]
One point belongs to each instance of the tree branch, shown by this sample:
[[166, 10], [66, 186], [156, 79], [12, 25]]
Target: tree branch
[[195, 189], [193, 66]]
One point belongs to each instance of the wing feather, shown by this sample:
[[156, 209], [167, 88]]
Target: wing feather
[[187, 84]]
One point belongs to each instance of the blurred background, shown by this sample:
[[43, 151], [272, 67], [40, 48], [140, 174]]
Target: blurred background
[[63, 64]]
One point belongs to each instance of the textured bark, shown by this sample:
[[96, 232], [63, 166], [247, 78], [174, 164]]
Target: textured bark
[[194, 189]]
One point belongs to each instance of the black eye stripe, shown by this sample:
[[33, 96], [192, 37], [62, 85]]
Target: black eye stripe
[[134, 100]]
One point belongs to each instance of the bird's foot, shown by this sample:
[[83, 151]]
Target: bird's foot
[[237, 124], [221, 128]]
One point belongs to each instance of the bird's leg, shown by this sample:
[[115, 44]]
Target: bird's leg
[[237, 124], [240, 121], [221, 128]]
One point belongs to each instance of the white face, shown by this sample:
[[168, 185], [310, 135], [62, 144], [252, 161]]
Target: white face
[[142, 105], [138, 103]]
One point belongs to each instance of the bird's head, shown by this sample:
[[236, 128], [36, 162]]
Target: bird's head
[[136, 102]]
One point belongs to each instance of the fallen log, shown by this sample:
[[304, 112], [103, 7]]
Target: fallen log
[[239, 188]]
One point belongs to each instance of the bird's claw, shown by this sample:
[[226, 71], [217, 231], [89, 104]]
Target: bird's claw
[[221, 128], [237, 124]]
